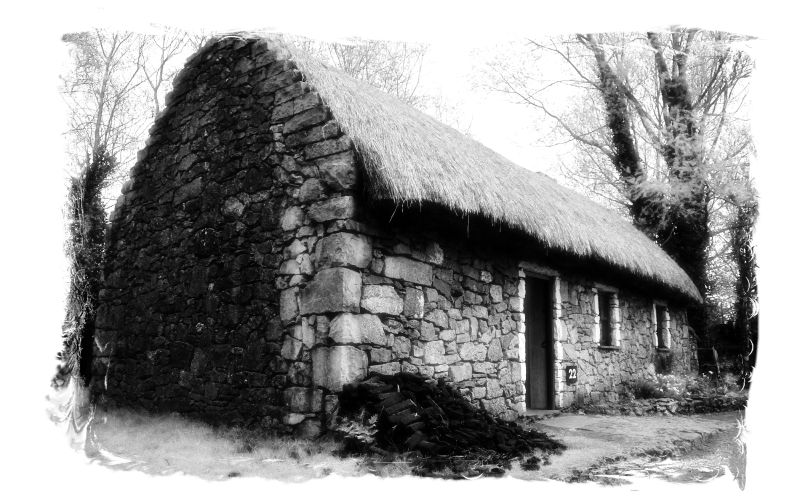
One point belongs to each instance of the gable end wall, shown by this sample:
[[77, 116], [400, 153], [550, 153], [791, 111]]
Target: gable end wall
[[211, 254]]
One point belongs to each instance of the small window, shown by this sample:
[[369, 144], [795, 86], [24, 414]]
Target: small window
[[606, 318], [662, 327]]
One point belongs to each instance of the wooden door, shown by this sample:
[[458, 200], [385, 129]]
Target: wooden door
[[538, 344]]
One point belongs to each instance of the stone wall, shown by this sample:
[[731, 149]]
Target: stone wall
[[602, 371], [450, 311], [244, 175]]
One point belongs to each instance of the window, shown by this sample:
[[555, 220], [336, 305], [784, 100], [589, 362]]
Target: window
[[606, 316], [661, 321]]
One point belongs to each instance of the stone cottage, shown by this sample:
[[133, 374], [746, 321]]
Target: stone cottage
[[288, 229]]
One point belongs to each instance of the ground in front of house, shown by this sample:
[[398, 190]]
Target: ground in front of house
[[615, 449], [600, 448]]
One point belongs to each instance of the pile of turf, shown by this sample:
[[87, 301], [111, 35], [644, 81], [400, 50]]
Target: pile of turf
[[430, 420]]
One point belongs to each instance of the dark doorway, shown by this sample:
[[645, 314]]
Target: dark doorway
[[538, 344]]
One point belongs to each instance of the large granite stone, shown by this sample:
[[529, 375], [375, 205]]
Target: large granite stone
[[332, 290], [311, 190], [495, 352], [392, 368], [432, 253], [471, 351], [434, 353], [344, 249], [342, 207], [495, 406], [381, 299], [493, 388], [414, 303], [305, 119], [333, 367], [338, 171], [460, 373], [438, 318], [303, 399], [288, 305], [408, 270], [496, 293], [347, 328], [291, 348], [292, 218]]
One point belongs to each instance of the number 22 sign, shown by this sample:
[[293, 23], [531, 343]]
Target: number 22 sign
[[572, 374]]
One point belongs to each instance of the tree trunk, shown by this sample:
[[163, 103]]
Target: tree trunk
[[685, 234], [645, 209], [746, 289]]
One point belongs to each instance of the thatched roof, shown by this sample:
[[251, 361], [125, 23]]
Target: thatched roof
[[410, 157]]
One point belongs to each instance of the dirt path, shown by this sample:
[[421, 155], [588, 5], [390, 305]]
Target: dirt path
[[594, 441]]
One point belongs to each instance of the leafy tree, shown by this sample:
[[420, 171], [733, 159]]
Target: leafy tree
[[658, 126], [111, 79], [86, 220]]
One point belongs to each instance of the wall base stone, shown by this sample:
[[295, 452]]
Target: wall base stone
[[333, 367]]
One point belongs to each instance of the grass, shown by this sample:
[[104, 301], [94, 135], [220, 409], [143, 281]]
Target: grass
[[168, 444], [171, 444]]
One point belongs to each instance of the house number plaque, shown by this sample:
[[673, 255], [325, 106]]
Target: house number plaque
[[572, 374]]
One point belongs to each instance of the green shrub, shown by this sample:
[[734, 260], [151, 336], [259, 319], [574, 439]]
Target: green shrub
[[645, 389], [682, 386], [86, 224]]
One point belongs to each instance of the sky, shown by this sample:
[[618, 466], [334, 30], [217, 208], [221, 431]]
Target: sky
[[513, 130], [33, 186]]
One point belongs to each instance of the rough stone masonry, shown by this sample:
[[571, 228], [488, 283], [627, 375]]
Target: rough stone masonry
[[246, 281]]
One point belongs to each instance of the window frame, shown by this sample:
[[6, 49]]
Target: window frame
[[604, 311], [661, 326], [612, 313]]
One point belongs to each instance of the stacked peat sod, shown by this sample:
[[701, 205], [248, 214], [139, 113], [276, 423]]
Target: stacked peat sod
[[440, 427]]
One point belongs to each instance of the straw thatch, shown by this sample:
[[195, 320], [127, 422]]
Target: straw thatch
[[410, 157]]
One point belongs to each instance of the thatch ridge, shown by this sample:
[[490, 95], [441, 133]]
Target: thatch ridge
[[410, 157]]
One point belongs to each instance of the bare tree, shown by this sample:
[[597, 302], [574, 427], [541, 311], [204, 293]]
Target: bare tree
[[104, 90], [100, 91], [392, 67], [113, 77], [158, 51]]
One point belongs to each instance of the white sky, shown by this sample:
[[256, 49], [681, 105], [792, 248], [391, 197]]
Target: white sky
[[510, 129], [33, 187]]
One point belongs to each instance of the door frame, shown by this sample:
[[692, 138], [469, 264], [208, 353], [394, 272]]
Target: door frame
[[528, 271]]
